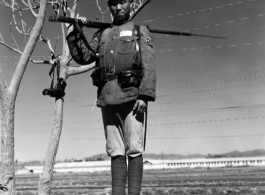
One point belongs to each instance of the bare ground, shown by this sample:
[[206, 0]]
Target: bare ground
[[218, 181]]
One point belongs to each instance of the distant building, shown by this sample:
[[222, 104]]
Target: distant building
[[205, 163], [149, 164], [30, 170], [88, 166]]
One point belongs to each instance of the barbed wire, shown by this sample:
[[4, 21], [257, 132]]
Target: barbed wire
[[204, 111], [215, 81], [6, 56], [198, 11], [211, 47], [207, 121], [209, 98], [159, 138], [7, 64], [66, 122], [224, 23], [190, 40], [157, 124], [209, 137], [157, 113], [214, 89], [209, 109], [192, 84], [51, 112], [169, 112]]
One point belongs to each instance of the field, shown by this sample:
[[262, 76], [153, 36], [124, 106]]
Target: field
[[232, 180]]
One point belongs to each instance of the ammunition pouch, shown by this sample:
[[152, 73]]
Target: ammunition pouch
[[96, 77], [102, 75], [129, 78]]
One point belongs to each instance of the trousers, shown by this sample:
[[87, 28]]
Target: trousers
[[124, 130]]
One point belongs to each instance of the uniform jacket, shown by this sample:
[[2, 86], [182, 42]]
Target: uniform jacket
[[117, 47]]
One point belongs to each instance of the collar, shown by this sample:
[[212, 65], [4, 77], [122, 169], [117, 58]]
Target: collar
[[119, 23]]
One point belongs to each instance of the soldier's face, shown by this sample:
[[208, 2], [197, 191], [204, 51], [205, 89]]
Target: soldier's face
[[120, 9]]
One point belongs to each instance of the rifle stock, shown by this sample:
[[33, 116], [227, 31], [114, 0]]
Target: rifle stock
[[88, 24]]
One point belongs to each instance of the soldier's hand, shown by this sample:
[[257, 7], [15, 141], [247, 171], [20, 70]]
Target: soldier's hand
[[139, 107], [82, 20], [72, 28]]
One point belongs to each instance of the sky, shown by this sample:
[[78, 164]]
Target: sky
[[210, 92]]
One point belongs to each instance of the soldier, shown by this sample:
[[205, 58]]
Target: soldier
[[126, 79]]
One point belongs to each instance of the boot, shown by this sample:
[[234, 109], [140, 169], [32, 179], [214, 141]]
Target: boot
[[118, 175], [135, 175], [57, 91]]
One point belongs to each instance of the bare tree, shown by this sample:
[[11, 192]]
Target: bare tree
[[8, 93], [63, 63]]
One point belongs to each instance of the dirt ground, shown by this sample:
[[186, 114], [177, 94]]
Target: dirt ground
[[232, 180]]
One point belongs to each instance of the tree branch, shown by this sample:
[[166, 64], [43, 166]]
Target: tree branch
[[9, 47], [79, 70], [64, 42], [22, 64], [23, 31], [26, 8], [50, 62], [31, 9]]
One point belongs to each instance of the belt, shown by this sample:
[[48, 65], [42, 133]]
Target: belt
[[109, 73], [108, 70]]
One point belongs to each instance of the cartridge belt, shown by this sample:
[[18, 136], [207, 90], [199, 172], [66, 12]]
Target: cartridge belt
[[127, 77], [110, 73]]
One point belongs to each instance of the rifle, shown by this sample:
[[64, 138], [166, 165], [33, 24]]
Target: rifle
[[102, 25]]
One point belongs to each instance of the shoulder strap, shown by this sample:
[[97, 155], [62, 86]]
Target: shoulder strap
[[98, 34], [137, 31], [137, 59]]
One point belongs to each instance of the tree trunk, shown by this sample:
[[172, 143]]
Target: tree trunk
[[46, 177], [7, 172], [7, 98]]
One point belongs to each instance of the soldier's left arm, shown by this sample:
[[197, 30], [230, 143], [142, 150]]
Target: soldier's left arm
[[147, 89]]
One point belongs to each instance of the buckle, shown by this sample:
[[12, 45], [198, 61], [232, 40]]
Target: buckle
[[126, 73], [110, 70]]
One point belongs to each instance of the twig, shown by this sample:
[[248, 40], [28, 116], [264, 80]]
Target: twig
[[13, 36], [15, 22], [50, 62]]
